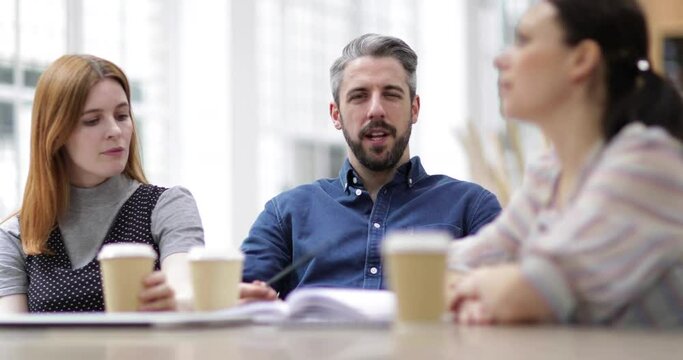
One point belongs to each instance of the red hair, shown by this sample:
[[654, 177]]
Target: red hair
[[59, 100]]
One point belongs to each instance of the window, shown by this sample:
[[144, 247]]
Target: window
[[672, 59], [315, 160], [129, 33], [31, 76], [6, 121], [6, 73]]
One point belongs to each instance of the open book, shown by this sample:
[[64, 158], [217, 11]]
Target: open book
[[324, 305], [303, 306], [126, 319]]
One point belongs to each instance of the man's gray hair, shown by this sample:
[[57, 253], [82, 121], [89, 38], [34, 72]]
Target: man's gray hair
[[376, 46]]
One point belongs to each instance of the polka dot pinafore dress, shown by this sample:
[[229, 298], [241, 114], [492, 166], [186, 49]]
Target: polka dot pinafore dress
[[54, 286]]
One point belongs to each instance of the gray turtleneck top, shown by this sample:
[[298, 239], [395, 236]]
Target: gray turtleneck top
[[176, 227]]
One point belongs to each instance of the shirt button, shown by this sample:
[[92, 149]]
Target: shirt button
[[376, 225], [358, 192], [410, 181], [373, 270], [355, 180]]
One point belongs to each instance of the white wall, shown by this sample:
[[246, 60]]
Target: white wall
[[442, 85], [202, 156]]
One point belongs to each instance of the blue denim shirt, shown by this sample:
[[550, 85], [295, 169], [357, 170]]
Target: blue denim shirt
[[337, 220]]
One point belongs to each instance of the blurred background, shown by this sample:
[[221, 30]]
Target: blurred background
[[231, 97]]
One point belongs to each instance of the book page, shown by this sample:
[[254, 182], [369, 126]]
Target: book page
[[333, 304], [261, 311]]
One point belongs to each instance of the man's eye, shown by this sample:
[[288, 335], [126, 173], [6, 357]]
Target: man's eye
[[356, 95]]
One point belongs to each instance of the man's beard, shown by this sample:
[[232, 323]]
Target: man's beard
[[378, 164]]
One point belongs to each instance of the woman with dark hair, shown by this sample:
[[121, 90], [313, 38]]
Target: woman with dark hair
[[595, 234], [86, 188]]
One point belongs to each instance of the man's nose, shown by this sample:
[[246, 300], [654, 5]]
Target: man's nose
[[376, 110]]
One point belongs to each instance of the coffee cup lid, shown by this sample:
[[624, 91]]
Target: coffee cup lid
[[214, 253], [428, 241], [117, 250]]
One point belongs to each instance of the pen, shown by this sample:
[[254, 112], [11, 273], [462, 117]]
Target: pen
[[293, 266]]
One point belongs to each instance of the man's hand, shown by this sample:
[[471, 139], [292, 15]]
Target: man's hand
[[256, 291]]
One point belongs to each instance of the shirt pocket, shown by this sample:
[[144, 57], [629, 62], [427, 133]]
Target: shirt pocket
[[455, 231]]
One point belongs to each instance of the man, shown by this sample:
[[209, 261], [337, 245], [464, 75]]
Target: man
[[336, 225]]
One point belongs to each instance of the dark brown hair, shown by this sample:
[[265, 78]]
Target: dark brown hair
[[633, 93]]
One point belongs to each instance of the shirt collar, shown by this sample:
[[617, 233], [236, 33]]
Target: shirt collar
[[409, 173], [110, 192], [549, 169], [592, 159]]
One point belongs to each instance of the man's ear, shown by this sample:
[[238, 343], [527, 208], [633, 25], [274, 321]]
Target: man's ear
[[335, 116], [415, 108], [585, 60]]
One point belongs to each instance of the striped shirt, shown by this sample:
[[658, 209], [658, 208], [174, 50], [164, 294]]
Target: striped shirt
[[614, 253]]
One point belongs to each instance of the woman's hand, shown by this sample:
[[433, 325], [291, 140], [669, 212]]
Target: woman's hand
[[498, 294], [156, 294], [473, 312], [256, 291], [453, 278], [465, 301]]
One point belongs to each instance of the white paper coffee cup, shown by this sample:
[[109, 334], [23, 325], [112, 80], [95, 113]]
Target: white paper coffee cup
[[124, 266], [416, 264], [216, 275]]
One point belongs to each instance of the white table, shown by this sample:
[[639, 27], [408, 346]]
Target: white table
[[446, 341]]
